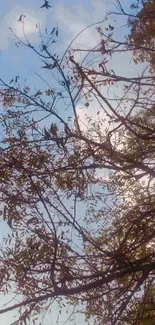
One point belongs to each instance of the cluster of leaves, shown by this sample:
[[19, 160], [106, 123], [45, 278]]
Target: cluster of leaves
[[143, 33]]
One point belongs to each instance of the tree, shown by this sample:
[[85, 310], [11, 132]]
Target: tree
[[143, 32], [77, 235]]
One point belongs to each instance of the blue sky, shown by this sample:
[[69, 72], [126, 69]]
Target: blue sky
[[70, 17]]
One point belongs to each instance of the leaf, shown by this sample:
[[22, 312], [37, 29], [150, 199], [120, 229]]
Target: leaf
[[47, 134], [33, 220], [54, 129], [66, 129], [58, 142], [53, 30], [19, 269], [16, 78], [9, 222], [49, 92], [111, 27], [61, 142], [49, 65], [4, 213]]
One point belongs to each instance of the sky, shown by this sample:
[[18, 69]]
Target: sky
[[70, 17]]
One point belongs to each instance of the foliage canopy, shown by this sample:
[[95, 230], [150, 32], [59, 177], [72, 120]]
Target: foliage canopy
[[78, 196]]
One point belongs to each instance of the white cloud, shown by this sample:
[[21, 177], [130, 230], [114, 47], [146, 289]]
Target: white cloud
[[32, 18], [85, 114], [87, 117], [73, 20]]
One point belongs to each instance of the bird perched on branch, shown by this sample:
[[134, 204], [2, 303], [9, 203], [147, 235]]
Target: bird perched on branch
[[46, 5]]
